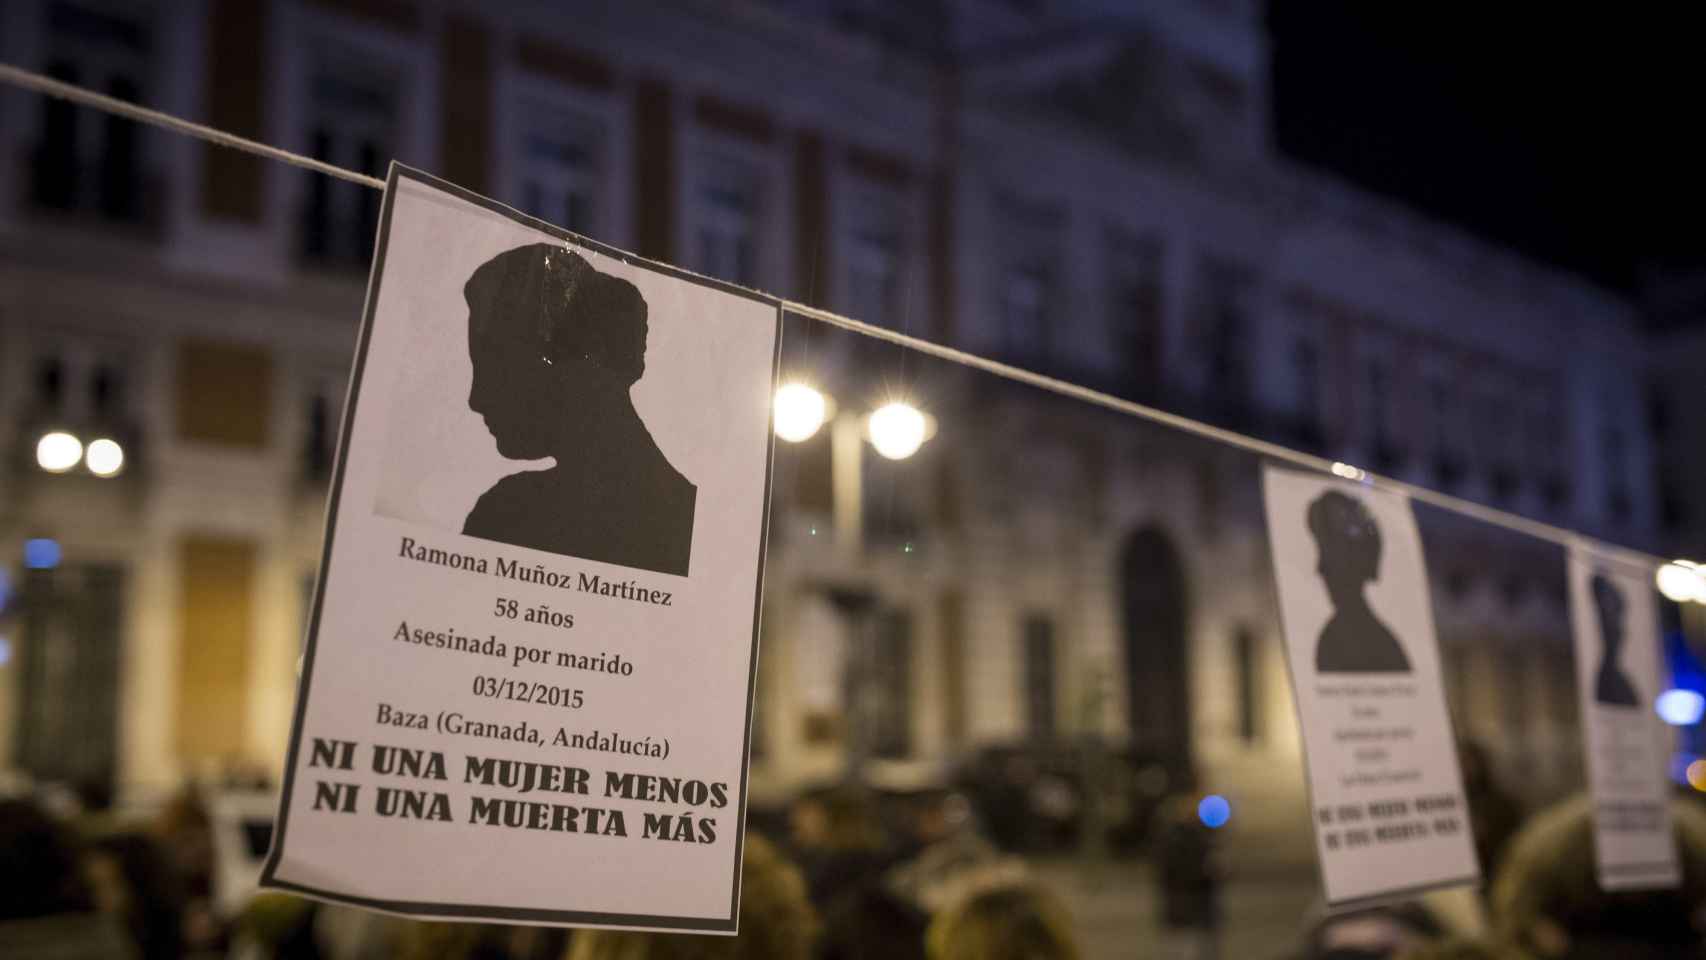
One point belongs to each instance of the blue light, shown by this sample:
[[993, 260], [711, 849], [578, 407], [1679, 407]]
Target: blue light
[[5, 651], [41, 554], [1680, 708], [1214, 811]]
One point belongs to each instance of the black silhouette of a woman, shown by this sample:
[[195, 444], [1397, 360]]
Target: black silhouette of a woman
[[1354, 640], [1611, 686], [556, 345]]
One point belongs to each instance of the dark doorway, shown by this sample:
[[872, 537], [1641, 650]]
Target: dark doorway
[[68, 724], [1039, 681], [1154, 601]]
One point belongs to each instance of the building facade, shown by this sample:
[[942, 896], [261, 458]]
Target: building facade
[[1084, 191]]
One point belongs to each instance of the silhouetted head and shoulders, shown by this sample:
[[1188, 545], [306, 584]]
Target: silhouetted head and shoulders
[[1611, 685], [1354, 640], [556, 347]]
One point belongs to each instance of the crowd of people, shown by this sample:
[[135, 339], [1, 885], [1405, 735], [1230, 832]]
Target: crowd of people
[[843, 874], [846, 877]]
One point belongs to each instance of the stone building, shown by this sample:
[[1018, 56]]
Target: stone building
[[1078, 189]]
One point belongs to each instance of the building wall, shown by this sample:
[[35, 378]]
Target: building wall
[[859, 160]]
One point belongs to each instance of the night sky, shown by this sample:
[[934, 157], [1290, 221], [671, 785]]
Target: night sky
[[1572, 136]]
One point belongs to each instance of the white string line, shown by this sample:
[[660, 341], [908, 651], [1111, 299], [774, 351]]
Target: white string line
[[31, 80], [1494, 516]]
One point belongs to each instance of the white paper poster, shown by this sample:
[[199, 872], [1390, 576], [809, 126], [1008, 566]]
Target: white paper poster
[[1618, 675], [528, 679], [1386, 792]]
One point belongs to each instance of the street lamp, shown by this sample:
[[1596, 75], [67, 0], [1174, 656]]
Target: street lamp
[[58, 451], [897, 429], [799, 412], [1682, 581], [104, 458]]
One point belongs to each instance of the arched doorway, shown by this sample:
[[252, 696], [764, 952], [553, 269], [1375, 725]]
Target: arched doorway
[[1155, 617]]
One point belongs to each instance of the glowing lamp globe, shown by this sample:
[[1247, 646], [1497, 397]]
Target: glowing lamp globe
[[58, 451], [1680, 708], [897, 430], [105, 458], [798, 412], [1681, 583]]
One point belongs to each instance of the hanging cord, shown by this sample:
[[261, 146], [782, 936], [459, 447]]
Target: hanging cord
[[31, 80]]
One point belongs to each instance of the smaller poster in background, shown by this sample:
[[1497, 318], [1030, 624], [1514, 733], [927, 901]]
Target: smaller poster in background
[[1618, 674], [1381, 760]]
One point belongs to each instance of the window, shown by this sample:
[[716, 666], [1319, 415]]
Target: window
[[1514, 696], [1244, 656], [317, 439], [1544, 424], [1378, 415], [106, 391], [352, 123], [888, 707], [1024, 300], [1614, 451], [1221, 320], [1028, 278], [1444, 441], [1492, 429], [224, 394], [1306, 391], [726, 239], [87, 160], [1134, 313], [321, 402], [560, 168], [1039, 692], [874, 245], [50, 383]]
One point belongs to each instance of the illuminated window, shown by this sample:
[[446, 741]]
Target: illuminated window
[[84, 159], [874, 243], [352, 122], [726, 221], [560, 168]]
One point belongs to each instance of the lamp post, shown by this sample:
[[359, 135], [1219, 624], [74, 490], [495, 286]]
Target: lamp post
[[896, 430]]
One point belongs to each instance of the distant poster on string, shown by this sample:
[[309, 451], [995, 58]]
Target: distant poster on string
[[1386, 791], [1618, 674], [527, 689]]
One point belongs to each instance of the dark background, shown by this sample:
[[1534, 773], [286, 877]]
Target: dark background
[[1573, 135]]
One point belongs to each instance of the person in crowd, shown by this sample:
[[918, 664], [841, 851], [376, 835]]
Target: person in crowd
[[1457, 948], [873, 921], [184, 830], [837, 840], [1377, 933], [1451, 915], [137, 883], [277, 926], [945, 855], [1013, 922], [1188, 877], [951, 855], [48, 907], [1547, 901], [453, 941], [777, 922]]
